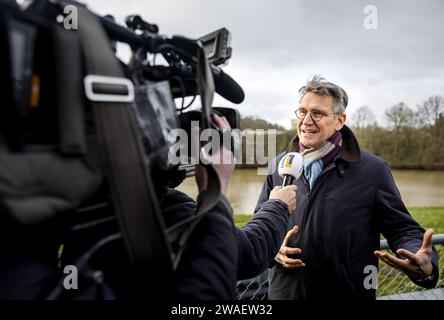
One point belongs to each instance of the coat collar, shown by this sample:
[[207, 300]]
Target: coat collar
[[350, 150]]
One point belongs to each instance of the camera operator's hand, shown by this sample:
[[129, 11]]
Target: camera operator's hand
[[285, 194], [222, 160]]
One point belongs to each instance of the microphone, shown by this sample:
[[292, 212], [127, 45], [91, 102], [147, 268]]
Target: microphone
[[226, 86], [290, 167]]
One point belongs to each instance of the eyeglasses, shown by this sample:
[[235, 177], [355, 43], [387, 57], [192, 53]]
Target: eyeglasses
[[315, 115]]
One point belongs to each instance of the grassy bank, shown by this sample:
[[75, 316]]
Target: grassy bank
[[427, 217]]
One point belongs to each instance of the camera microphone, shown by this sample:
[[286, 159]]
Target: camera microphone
[[226, 86], [290, 167]]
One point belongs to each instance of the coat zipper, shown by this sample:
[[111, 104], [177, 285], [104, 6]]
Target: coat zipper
[[310, 191], [304, 217]]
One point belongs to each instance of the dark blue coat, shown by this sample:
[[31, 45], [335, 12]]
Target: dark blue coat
[[353, 201]]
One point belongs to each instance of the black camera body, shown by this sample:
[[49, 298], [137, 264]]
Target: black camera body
[[87, 122], [35, 82]]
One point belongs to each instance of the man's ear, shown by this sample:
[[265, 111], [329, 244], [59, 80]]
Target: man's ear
[[341, 121]]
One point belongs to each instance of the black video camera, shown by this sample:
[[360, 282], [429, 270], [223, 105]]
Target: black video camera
[[181, 73], [35, 82], [81, 116]]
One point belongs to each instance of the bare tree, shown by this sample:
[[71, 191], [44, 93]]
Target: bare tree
[[430, 111], [399, 116], [363, 117]]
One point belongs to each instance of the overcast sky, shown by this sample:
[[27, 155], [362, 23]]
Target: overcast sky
[[277, 45]]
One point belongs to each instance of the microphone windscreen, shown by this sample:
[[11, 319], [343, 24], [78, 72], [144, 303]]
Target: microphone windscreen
[[226, 86], [291, 164]]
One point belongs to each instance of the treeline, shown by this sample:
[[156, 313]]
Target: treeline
[[409, 138], [282, 139]]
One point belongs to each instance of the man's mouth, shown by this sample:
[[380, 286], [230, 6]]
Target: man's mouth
[[308, 131]]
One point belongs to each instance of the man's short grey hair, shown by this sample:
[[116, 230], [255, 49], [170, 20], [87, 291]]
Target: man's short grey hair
[[320, 86]]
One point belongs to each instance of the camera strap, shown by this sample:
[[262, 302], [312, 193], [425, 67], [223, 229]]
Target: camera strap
[[110, 95], [70, 106]]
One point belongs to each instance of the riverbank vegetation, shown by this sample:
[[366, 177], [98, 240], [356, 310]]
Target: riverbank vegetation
[[411, 139]]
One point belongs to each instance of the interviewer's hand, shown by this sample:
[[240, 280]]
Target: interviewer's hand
[[285, 194], [223, 161], [282, 256], [417, 265]]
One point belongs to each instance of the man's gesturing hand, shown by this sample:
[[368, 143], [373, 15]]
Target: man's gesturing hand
[[417, 265], [285, 194], [284, 251]]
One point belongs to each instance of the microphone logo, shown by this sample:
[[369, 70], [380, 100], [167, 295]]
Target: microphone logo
[[290, 167], [288, 161]]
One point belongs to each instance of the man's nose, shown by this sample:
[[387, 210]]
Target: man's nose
[[307, 119]]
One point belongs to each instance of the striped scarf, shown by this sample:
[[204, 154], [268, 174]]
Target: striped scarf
[[316, 159]]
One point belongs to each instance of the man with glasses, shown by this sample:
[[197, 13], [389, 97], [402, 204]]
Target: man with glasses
[[346, 198]]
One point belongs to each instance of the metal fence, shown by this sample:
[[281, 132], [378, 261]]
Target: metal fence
[[392, 284]]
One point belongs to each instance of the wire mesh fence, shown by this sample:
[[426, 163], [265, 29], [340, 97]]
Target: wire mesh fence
[[392, 284]]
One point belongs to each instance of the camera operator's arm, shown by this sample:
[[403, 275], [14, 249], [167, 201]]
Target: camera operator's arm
[[255, 245], [259, 240]]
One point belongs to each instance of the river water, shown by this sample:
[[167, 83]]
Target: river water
[[418, 188]]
